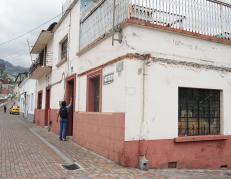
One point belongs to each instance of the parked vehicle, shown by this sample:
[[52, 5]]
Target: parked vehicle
[[15, 110]]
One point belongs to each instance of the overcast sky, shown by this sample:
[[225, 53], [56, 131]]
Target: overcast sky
[[18, 17]]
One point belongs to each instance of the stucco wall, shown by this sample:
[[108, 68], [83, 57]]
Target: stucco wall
[[28, 86], [163, 80], [42, 84], [175, 46], [118, 95], [69, 27], [161, 98]]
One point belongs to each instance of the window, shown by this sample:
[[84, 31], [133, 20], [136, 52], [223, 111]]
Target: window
[[94, 93], [39, 105], [63, 46], [199, 112]]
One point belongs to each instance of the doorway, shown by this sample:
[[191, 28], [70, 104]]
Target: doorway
[[39, 103], [70, 93], [47, 105], [94, 94]]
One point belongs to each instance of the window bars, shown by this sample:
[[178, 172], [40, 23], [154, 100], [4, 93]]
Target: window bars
[[207, 17], [199, 112]]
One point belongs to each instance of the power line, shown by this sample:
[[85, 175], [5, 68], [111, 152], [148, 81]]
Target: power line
[[28, 32]]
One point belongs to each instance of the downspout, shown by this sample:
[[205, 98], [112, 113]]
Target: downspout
[[143, 162], [69, 44], [36, 98], [143, 108]]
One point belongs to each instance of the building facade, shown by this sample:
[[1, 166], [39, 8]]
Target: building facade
[[26, 95], [148, 78]]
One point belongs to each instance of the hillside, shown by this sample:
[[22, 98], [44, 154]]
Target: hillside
[[11, 69]]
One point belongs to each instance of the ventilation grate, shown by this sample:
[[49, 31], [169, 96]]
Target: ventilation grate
[[172, 164], [71, 167], [224, 166]]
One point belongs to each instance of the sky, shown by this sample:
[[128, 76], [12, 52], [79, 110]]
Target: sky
[[20, 16]]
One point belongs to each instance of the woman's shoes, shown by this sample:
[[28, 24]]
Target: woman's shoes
[[62, 139]]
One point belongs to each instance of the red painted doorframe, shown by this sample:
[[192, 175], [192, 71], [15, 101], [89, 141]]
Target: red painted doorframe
[[70, 92], [47, 105]]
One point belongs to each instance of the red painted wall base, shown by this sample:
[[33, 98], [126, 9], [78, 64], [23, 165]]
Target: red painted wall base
[[53, 119], [40, 117], [211, 154], [103, 133]]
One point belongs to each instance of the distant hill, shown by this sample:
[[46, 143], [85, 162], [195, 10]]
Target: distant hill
[[11, 69]]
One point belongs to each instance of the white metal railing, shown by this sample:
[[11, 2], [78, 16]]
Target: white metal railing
[[42, 61], [206, 17]]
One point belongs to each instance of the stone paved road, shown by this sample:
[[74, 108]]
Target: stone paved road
[[24, 156]]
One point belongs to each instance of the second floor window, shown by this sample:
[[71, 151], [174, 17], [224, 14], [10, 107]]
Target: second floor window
[[64, 48]]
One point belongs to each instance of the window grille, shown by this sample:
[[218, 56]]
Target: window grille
[[199, 112], [64, 49]]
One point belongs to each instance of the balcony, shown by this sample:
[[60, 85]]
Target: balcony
[[209, 19], [42, 66]]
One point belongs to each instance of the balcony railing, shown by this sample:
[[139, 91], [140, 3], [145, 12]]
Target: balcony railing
[[41, 62], [206, 17]]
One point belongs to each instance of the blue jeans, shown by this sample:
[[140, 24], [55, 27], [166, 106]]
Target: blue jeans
[[63, 129]]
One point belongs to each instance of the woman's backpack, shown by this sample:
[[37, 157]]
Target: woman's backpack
[[63, 112]]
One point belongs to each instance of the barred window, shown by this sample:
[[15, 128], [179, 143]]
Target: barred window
[[199, 112], [64, 44]]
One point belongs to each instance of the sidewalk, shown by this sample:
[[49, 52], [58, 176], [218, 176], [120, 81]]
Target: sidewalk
[[24, 156], [98, 167]]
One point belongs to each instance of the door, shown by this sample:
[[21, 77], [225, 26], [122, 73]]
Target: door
[[70, 93], [47, 106]]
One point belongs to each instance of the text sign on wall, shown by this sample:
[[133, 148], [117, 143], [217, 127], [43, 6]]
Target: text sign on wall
[[108, 79]]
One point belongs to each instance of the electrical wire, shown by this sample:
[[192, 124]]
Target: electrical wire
[[28, 32]]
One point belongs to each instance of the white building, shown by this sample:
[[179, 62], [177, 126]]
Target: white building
[[27, 95], [162, 90]]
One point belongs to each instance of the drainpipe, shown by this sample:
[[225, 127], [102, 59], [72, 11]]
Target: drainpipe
[[143, 162], [69, 40], [36, 98]]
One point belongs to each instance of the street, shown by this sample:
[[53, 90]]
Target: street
[[24, 155]]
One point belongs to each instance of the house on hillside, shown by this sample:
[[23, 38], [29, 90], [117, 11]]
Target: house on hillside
[[26, 93], [5, 88], [148, 79]]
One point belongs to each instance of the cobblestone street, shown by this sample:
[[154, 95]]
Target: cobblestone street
[[24, 155]]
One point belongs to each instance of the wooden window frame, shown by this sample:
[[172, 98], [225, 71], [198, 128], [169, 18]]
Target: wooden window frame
[[61, 43], [89, 99]]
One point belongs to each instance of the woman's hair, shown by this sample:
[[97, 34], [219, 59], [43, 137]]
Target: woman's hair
[[64, 104]]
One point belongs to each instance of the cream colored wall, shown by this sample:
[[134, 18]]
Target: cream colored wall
[[69, 27], [125, 94], [160, 119], [28, 86], [176, 47]]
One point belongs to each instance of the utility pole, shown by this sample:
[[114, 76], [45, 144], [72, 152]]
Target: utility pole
[[113, 21], [28, 43]]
